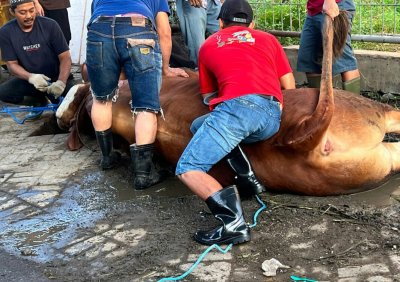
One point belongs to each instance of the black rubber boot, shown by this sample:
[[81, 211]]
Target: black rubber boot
[[245, 179], [145, 172], [109, 158], [225, 205]]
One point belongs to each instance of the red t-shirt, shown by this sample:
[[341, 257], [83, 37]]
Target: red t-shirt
[[237, 61], [315, 6]]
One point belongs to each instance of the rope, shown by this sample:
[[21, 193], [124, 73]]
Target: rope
[[11, 110], [224, 251]]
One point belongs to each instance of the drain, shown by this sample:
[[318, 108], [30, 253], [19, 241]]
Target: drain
[[48, 127]]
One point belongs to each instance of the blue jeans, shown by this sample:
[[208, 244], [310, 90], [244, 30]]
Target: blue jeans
[[310, 51], [112, 46], [247, 119], [195, 22]]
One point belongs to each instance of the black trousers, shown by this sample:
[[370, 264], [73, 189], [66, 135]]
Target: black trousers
[[61, 17], [19, 91]]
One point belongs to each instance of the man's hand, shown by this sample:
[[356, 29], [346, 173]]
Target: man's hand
[[331, 8], [40, 81], [56, 88], [175, 72], [196, 3]]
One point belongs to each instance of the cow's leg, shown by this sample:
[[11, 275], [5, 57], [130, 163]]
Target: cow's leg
[[392, 121], [393, 149]]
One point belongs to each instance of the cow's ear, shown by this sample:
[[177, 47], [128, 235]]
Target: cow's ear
[[73, 142]]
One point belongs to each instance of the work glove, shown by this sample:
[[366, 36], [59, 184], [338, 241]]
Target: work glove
[[40, 81], [56, 88]]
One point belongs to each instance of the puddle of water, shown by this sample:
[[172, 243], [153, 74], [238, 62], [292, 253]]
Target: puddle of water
[[41, 235], [381, 196], [170, 188]]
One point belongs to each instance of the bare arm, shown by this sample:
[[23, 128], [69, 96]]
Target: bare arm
[[287, 81], [164, 33], [331, 8], [39, 8], [16, 69], [65, 66]]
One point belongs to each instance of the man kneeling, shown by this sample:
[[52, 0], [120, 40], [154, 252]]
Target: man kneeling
[[244, 69]]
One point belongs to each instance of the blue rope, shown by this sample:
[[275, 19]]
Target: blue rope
[[295, 278], [224, 251], [11, 110], [197, 262], [263, 207]]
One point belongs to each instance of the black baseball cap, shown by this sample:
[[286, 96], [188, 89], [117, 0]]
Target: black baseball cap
[[237, 11], [15, 3]]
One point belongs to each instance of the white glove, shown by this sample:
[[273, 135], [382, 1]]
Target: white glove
[[40, 81], [56, 88]]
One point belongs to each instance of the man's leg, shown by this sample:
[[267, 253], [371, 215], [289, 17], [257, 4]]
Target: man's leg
[[213, 10], [201, 153], [192, 21], [15, 90], [351, 81], [146, 171], [61, 17], [102, 118]]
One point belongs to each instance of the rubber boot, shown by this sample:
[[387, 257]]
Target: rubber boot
[[353, 85], [314, 81], [245, 179], [109, 158], [145, 172], [225, 205]]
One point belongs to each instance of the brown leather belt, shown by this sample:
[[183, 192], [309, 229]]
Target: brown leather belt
[[134, 20]]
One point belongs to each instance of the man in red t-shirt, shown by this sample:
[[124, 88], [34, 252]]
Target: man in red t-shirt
[[241, 72]]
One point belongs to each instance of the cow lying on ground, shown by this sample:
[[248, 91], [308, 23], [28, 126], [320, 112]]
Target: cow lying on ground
[[330, 141]]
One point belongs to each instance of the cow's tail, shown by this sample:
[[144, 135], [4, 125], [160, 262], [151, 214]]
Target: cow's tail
[[308, 133]]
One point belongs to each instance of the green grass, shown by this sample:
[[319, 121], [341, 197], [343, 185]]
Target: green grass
[[373, 17]]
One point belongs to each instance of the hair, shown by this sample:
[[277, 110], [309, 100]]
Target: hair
[[227, 23], [341, 28]]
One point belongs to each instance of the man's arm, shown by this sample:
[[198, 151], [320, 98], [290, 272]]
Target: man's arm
[[39, 8], [57, 88], [331, 8], [39, 81], [16, 69], [65, 66], [164, 33], [287, 81]]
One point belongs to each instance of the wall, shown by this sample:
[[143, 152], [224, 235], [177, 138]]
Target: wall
[[379, 70], [79, 14]]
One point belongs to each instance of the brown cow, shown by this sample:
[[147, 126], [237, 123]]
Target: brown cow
[[330, 141]]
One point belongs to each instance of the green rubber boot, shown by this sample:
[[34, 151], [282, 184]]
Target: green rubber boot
[[314, 81], [353, 85]]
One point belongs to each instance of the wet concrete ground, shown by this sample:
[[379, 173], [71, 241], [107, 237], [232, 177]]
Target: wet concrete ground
[[62, 219]]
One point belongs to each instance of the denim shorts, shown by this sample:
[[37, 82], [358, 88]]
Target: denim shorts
[[113, 45], [310, 52], [247, 119]]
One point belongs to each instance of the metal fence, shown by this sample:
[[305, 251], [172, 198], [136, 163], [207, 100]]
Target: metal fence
[[375, 20]]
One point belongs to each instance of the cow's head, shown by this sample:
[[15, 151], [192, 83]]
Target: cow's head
[[66, 112]]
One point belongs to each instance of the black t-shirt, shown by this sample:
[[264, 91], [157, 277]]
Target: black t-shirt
[[36, 51]]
